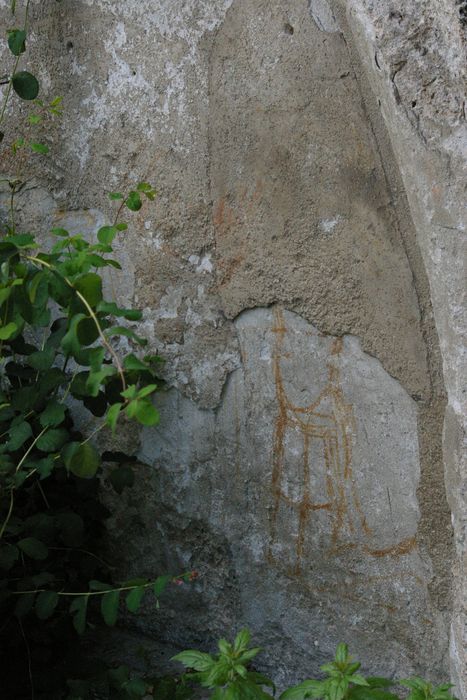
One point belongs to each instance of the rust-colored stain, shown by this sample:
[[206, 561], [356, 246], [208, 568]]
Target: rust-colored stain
[[234, 211], [396, 550], [330, 422]]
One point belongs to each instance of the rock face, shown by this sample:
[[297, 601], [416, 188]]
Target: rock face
[[302, 273], [308, 471]]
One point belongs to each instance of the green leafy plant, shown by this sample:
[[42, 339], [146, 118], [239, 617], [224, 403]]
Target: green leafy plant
[[422, 690], [229, 677], [60, 353], [227, 673], [343, 682]]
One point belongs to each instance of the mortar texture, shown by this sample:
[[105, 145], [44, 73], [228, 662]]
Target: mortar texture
[[301, 272]]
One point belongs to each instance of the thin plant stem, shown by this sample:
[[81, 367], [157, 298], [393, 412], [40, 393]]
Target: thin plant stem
[[119, 589], [43, 495], [84, 551], [91, 313], [28, 451], [10, 84], [28, 652], [10, 511]]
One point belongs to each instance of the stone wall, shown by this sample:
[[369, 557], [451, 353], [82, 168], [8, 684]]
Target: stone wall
[[302, 272]]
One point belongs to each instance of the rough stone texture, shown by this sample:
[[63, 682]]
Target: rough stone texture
[[308, 156], [414, 56], [315, 445]]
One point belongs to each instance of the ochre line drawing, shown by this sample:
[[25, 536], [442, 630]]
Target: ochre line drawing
[[330, 422]]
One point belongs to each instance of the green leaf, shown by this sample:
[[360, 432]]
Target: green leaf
[[60, 232], [52, 440], [8, 556], [45, 604], [147, 390], [135, 582], [224, 647], [53, 415], [112, 309], [24, 604], [122, 330], [242, 640], [136, 687], [109, 607], [121, 226], [357, 679], [25, 85], [79, 607], [113, 414], [84, 462], [39, 148], [361, 693], [42, 359], [8, 330], [147, 189], [42, 579], [161, 584], [329, 668], [99, 586], [133, 201], [131, 362], [4, 294], [33, 548], [259, 679], [106, 234], [18, 434], [379, 682], [115, 195], [342, 653], [130, 392], [249, 654], [414, 683], [119, 676], [352, 667], [95, 379], [144, 187], [87, 333], [146, 413], [90, 287], [194, 659], [337, 688], [22, 240], [17, 41], [45, 466], [70, 342], [134, 598]]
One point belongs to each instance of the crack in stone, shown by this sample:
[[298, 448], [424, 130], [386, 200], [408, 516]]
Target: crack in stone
[[323, 16]]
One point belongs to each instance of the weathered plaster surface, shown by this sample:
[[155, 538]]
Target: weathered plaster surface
[[414, 54], [308, 157], [307, 474]]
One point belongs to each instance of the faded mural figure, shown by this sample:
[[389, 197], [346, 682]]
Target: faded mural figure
[[315, 496]]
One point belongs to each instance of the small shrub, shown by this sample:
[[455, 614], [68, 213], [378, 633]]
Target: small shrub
[[229, 677]]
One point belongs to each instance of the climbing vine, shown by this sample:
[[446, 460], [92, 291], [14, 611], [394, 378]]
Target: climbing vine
[[59, 336]]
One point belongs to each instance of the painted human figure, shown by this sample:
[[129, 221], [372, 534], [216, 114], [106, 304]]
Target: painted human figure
[[315, 501]]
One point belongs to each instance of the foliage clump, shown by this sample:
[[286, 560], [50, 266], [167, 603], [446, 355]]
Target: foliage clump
[[59, 357]]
